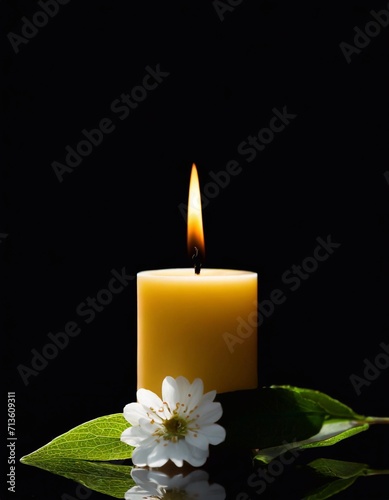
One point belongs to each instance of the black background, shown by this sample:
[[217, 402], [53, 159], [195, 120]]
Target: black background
[[323, 176]]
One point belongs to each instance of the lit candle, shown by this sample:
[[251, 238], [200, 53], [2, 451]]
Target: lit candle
[[197, 322]]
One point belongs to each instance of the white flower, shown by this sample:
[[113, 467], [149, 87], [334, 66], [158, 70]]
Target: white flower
[[179, 427], [157, 485]]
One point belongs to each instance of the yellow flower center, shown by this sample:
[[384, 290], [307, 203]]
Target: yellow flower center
[[175, 428]]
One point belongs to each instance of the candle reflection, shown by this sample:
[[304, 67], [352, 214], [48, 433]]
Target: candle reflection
[[153, 484]]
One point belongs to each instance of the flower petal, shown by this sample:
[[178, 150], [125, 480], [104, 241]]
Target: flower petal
[[150, 455], [202, 489], [183, 387], [138, 493], [133, 412], [195, 394], [146, 477], [197, 457], [140, 476], [180, 482], [209, 396], [197, 439], [180, 394], [151, 483], [148, 399], [159, 455], [128, 437], [149, 425], [177, 452], [208, 413], [215, 433], [135, 436], [170, 392]]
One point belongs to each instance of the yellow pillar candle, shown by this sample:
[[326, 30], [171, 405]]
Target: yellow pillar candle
[[191, 324], [199, 323]]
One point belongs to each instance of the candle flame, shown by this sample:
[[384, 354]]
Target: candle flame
[[196, 247]]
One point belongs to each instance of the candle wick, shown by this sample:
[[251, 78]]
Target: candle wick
[[196, 260]]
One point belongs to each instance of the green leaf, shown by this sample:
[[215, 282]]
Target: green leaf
[[329, 434], [97, 439], [110, 479], [338, 422], [330, 489], [268, 417], [330, 406], [333, 432], [338, 468], [336, 476]]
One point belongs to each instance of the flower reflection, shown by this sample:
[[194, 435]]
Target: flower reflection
[[152, 484]]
